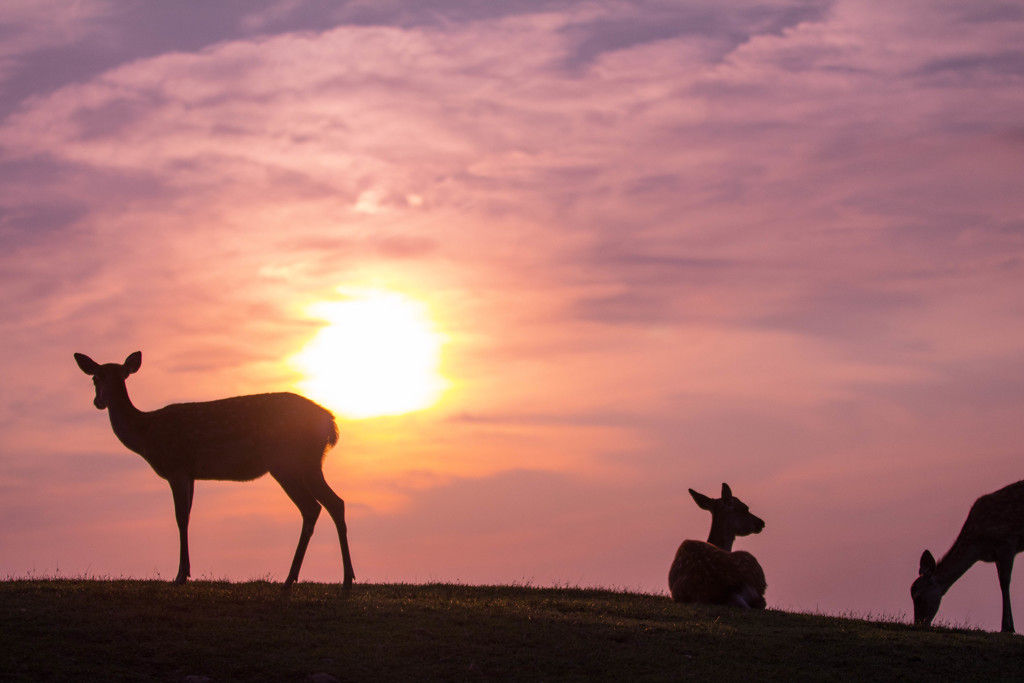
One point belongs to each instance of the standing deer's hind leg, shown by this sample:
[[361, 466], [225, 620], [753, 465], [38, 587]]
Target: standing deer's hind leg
[[310, 510], [1004, 566], [336, 509], [182, 489]]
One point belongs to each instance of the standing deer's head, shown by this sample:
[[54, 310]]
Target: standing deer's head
[[926, 591], [730, 517], [108, 376]]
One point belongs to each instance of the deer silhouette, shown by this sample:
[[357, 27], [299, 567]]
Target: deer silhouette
[[233, 439], [993, 532], [711, 573]]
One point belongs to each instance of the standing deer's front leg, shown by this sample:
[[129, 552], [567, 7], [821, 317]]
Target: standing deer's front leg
[[182, 489], [1004, 566]]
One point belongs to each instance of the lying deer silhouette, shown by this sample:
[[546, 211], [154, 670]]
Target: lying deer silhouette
[[993, 532], [711, 573], [233, 439]]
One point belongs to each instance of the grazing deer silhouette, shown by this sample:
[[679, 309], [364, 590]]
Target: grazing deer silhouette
[[993, 532], [711, 573], [235, 439]]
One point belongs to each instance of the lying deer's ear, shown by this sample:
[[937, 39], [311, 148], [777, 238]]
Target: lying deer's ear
[[927, 564], [133, 363], [88, 365], [726, 492], [703, 502]]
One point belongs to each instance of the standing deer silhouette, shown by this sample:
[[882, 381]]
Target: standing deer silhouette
[[993, 532], [233, 439], [711, 573]]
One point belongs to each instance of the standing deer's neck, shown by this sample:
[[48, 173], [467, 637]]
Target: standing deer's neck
[[126, 420], [720, 536]]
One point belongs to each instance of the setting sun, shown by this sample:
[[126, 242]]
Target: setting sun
[[378, 355]]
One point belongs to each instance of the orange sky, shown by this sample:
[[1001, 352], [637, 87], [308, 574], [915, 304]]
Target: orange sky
[[667, 245]]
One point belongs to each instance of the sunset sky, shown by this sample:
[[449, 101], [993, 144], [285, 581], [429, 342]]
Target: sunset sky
[[650, 246]]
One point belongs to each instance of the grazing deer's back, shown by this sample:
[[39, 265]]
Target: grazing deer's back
[[241, 438], [997, 515]]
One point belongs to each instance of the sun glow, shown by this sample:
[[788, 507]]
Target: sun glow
[[378, 355]]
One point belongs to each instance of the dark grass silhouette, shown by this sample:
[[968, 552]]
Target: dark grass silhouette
[[150, 630], [993, 532], [235, 439]]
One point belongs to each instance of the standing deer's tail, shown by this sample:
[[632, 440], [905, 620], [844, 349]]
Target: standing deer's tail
[[331, 434]]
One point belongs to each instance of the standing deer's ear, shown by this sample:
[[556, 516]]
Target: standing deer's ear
[[88, 365], [726, 492], [703, 502], [133, 363], [927, 564]]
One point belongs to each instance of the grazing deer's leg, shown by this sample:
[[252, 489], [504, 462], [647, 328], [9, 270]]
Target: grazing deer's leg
[[310, 510], [182, 489], [1004, 566], [336, 509]]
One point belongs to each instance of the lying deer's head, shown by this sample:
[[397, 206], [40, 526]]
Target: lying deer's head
[[730, 517]]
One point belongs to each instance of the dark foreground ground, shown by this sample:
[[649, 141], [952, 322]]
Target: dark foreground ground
[[66, 630]]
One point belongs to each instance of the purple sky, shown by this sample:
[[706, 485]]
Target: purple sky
[[669, 244]]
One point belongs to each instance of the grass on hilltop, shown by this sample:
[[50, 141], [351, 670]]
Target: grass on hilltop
[[75, 630]]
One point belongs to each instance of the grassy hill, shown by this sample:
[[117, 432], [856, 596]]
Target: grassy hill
[[58, 630]]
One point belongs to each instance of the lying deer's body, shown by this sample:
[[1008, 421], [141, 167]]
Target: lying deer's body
[[704, 573], [993, 532], [710, 572], [233, 439]]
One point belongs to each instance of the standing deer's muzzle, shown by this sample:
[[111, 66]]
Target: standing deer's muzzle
[[100, 401]]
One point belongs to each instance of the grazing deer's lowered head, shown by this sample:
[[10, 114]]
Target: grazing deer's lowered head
[[710, 573], [926, 592]]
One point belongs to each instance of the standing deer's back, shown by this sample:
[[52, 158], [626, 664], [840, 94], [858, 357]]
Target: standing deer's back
[[240, 438]]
